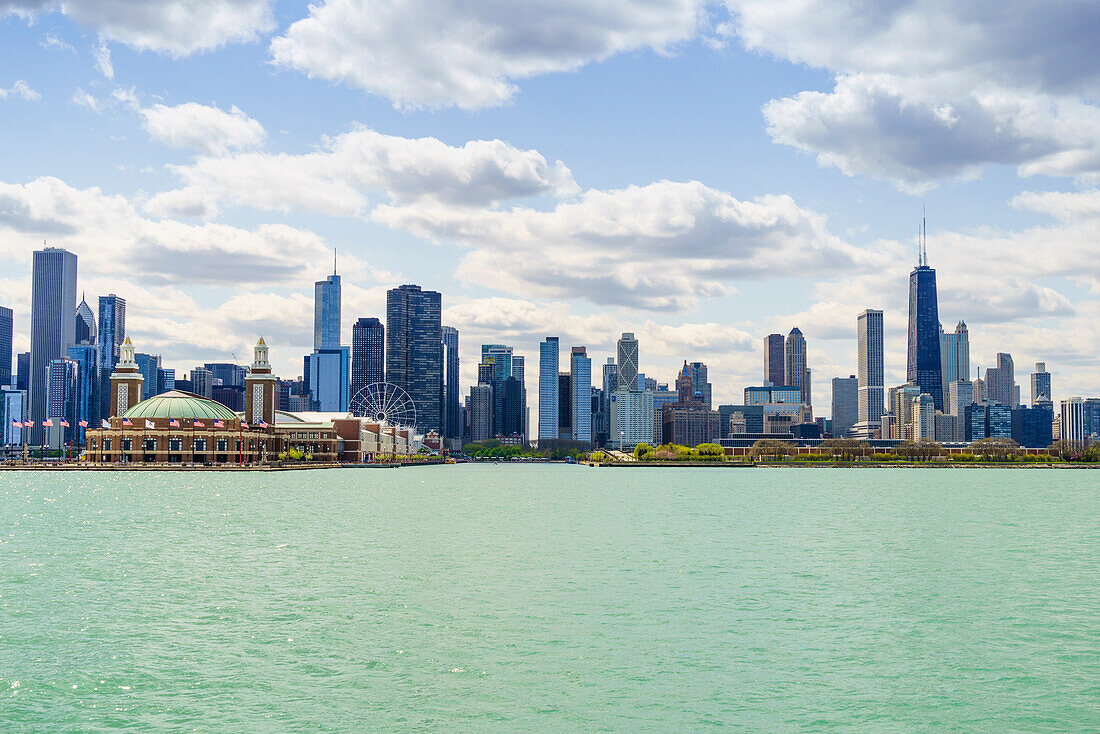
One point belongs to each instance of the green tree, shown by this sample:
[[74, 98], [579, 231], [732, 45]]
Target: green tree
[[642, 451], [771, 448], [995, 449], [710, 452]]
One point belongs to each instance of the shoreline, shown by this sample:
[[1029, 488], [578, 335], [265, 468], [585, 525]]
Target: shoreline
[[832, 465]]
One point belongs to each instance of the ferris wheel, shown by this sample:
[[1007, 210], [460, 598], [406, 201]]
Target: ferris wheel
[[386, 403]]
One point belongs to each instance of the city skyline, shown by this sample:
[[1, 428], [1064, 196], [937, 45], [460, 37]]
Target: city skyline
[[212, 205]]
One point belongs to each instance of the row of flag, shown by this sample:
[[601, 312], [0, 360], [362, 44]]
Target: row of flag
[[48, 423]]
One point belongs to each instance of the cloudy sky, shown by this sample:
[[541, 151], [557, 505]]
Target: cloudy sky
[[699, 173]]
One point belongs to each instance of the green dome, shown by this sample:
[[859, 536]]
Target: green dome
[[179, 404]]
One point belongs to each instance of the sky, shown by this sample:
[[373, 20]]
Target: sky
[[699, 173]]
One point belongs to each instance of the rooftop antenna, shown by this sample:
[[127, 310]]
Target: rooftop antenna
[[334, 261]]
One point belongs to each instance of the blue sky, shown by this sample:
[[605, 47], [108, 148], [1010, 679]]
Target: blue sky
[[700, 173]]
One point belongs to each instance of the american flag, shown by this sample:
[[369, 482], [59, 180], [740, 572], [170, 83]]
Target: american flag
[[64, 423], [244, 425], [28, 424], [103, 422], [219, 424], [16, 424], [199, 424], [127, 422], [83, 424], [263, 424], [174, 423], [47, 423]]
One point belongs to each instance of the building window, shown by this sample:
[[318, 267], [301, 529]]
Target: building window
[[175, 444], [200, 444], [127, 444], [223, 444], [238, 445], [91, 444], [150, 444], [106, 444]]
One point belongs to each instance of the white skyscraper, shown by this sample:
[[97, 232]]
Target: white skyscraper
[[869, 372], [628, 362]]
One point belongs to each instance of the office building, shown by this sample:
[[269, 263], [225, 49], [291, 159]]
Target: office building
[[62, 400], [86, 357], [519, 365], [202, 382], [869, 374], [330, 379], [923, 364], [701, 389], [368, 353], [225, 373], [565, 407], [947, 428], [923, 418], [960, 394], [452, 408], [11, 414], [1072, 423], [632, 419], [549, 354], [513, 407], [53, 325], [414, 351], [6, 333], [580, 384], [326, 311], [22, 373], [954, 355], [481, 412], [795, 373], [166, 380], [111, 335], [1000, 381], [1033, 427], [149, 366], [1040, 384], [499, 359], [627, 353], [85, 324], [774, 360], [845, 404], [759, 395]]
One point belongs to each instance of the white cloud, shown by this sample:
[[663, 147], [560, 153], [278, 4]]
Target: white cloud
[[82, 98], [103, 60], [207, 129], [21, 90], [337, 179], [438, 53], [176, 27]]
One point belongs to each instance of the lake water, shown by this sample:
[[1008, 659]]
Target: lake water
[[551, 598]]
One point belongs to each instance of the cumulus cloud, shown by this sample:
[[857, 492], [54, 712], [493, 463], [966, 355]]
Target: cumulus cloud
[[337, 178], [207, 129], [930, 90], [21, 90], [175, 27], [439, 53]]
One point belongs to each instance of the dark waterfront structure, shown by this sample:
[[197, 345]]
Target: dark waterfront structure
[[368, 354], [452, 408], [923, 366], [5, 346], [774, 371], [53, 324], [414, 351], [112, 332]]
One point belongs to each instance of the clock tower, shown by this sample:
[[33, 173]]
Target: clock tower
[[125, 381], [260, 389]]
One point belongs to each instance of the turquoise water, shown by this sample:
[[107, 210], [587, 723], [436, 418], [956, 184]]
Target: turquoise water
[[551, 598]]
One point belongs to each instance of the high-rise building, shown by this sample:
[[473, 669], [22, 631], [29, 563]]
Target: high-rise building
[[869, 372], [11, 416], [330, 378], [112, 333], [519, 365], [326, 312], [1073, 420], [766, 394], [774, 360], [549, 355], [960, 394], [924, 418], [6, 331], [1040, 384], [368, 354], [149, 366], [166, 380], [924, 366], [86, 357], [414, 351], [628, 361], [1032, 427], [22, 373], [202, 381], [954, 355], [795, 373], [85, 324], [580, 382], [701, 389], [513, 407], [53, 324], [1000, 381], [62, 400], [632, 418], [845, 404], [229, 374], [481, 412], [452, 408], [565, 407]]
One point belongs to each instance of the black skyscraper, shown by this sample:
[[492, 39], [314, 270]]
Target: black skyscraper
[[5, 346], [368, 349], [923, 368], [414, 351], [773, 359]]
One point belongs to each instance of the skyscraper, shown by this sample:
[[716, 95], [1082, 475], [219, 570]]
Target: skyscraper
[[1040, 383], [53, 324], [954, 355], [86, 357], [414, 351], [774, 370], [85, 324], [923, 366], [701, 389], [580, 383], [845, 404], [326, 311], [1000, 381], [795, 373], [23, 372], [5, 346], [499, 356], [149, 366], [869, 370], [112, 332], [481, 412], [549, 355], [452, 417], [330, 378], [368, 353], [202, 381], [62, 400], [628, 361]]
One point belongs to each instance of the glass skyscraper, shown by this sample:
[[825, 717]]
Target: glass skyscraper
[[774, 371], [795, 373], [414, 351], [5, 347], [53, 324], [954, 355], [924, 367], [86, 357], [628, 361], [452, 409], [326, 312], [580, 385], [870, 368], [329, 379], [112, 332], [368, 354], [549, 355], [149, 366], [1040, 384]]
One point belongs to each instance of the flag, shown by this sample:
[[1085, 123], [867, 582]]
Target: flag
[[64, 423], [104, 424], [16, 424], [29, 424], [47, 423], [127, 422], [244, 426], [174, 423], [199, 424], [219, 424], [149, 424], [83, 424], [263, 425]]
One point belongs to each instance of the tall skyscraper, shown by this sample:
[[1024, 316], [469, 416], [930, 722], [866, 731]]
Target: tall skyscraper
[[499, 356], [869, 371], [23, 372], [85, 324], [923, 366], [1000, 381], [519, 365], [481, 412], [701, 389], [330, 378], [628, 361], [845, 404], [62, 400], [960, 394], [149, 366], [452, 413], [326, 311], [53, 324], [228, 374], [795, 373], [6, 330], [774, 369], [1040, 384], [368, 353], [112, 332], [549, 355], [954, 355], [202, 381], [580, 383], [86, 357], [414, 351]]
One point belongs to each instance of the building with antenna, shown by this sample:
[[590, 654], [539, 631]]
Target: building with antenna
[[923, 366]]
